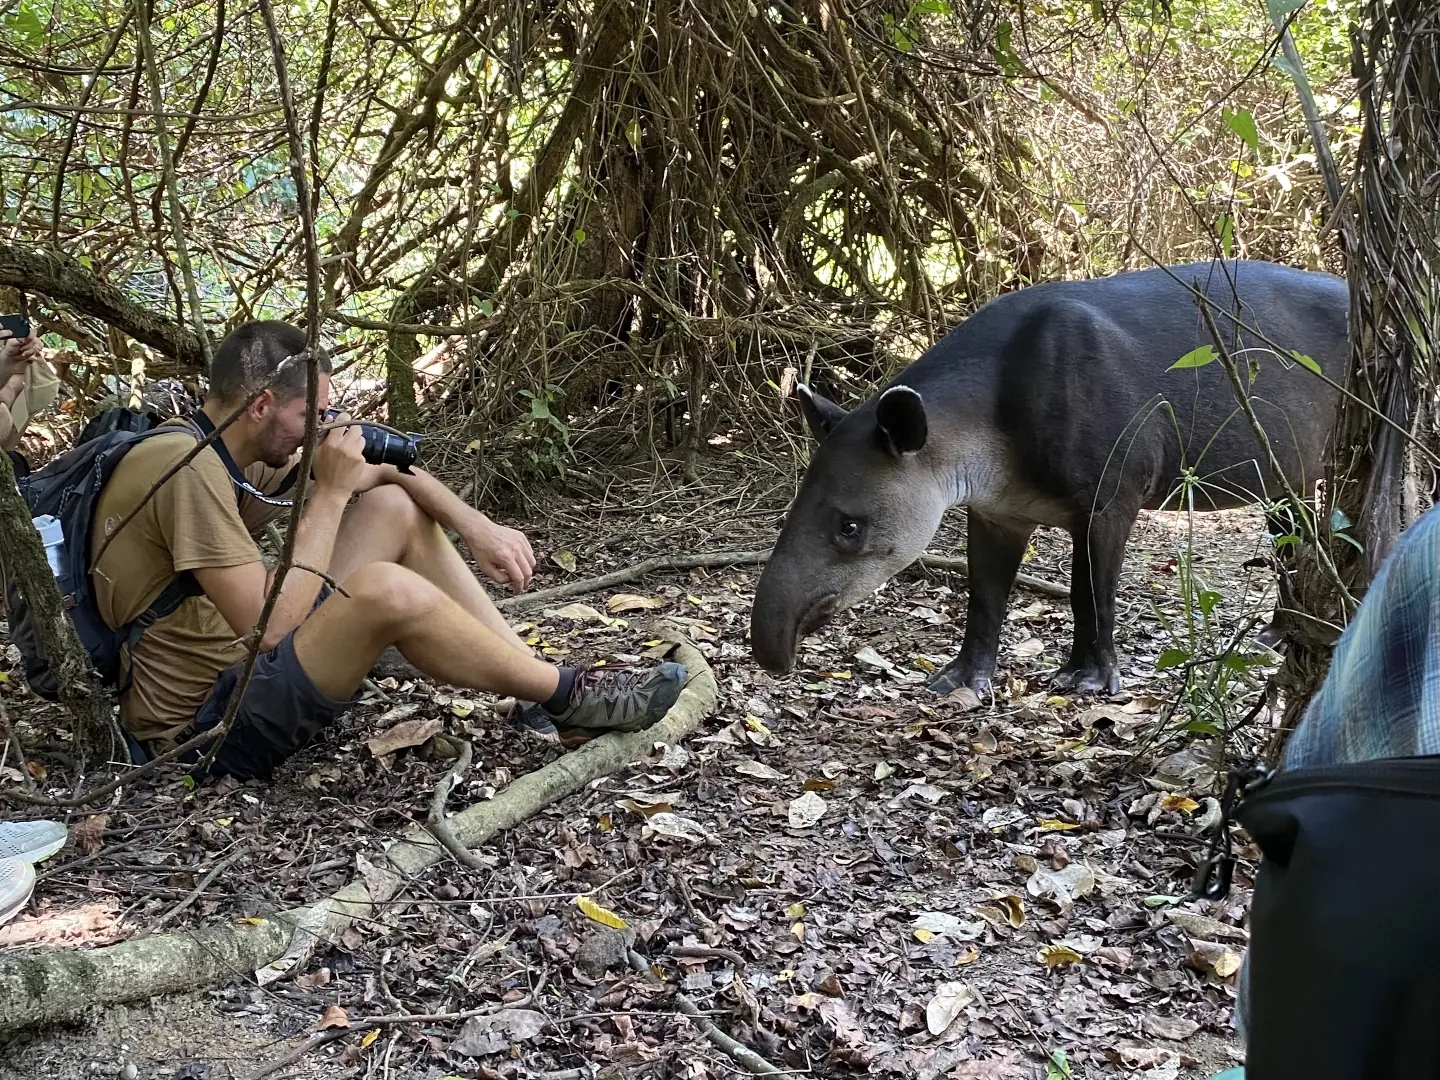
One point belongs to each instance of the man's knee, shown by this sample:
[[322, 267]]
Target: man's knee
[[392, 503], [391, 593]]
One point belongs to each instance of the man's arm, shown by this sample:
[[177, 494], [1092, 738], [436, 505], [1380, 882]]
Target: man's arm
[[239, 591], [503, 554]]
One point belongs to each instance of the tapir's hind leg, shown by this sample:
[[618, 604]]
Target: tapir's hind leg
[[1094, 576], [995, 550]]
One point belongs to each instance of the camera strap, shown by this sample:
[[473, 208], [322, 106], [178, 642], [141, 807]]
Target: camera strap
[[202, 423]]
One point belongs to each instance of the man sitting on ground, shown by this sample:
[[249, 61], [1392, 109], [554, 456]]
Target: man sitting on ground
[[402, 582]]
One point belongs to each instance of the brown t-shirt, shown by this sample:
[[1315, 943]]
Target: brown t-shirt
[[193, 521]]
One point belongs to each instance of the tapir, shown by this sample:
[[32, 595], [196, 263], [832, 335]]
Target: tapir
[[1059, 404]]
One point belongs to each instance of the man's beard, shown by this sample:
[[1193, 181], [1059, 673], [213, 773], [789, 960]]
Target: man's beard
[[272, 452]]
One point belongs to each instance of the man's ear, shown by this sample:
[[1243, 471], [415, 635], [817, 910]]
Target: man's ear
[[821, 414], [900, 419]]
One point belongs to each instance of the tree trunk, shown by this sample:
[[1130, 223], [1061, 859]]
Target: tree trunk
[[1394, 245], [25, 565]]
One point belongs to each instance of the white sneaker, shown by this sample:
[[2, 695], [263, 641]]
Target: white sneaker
[[17, 882], [30, 841]]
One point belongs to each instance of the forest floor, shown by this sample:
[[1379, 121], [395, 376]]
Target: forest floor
[[872, 880]]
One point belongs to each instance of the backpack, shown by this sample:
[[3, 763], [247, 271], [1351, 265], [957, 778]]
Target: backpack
[[68, 488]]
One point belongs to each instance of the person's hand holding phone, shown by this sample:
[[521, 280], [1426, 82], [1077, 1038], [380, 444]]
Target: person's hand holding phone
[[19, 346]]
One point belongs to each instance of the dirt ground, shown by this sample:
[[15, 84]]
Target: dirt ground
[[847, 873]]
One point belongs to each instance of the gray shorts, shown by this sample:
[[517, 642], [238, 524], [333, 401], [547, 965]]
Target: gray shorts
[[281, 713]]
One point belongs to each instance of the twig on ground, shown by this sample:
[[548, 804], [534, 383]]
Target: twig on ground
[[707, 953], [738, 558], [436, 821], [739, 1053], [314, 1042], [195, 893]]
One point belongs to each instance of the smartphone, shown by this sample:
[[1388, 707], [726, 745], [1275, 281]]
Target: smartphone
[[18, 325]]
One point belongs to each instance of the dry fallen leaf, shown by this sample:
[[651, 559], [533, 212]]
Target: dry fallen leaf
[[806, 810], [1169, 1027], [945, 1006], [1204, 927], [602, 915], [314, 980], [758, 770], [333, 1017], [674, 827], [963, 698], [90, 833], [1014, 908], [577, 613], [622, 602], [1058, 955], [932, 923], [565, 560], [402, 735], [1184, 804], [1064, 885]]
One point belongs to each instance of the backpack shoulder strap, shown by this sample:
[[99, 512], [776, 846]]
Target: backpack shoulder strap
[[181, 587]]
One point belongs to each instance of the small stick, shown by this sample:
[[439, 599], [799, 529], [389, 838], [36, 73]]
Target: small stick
[[739, 558], [436, 823], [194, 894], [707, 953], [741, 1054], [320, 1038]]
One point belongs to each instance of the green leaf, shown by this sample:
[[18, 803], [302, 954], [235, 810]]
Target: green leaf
[[1201, 727], [486, 308], [1230, 1074], [1288, 68], [512, 213], [1242, 123], [579, 235], [1208, 601], [539, 410], [1195, 358], [1172, 658], [1225, 226], [1351, 541], [903, 41], [27, 25], [1286, 541], [1308, 363], [1280, 9], [934, 7], [1057, 1065], [1340, 521]]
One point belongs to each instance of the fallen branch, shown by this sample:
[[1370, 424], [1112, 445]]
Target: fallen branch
[[437, 824], [739, 1053], [195, 893], [54, 984], [737, 558]]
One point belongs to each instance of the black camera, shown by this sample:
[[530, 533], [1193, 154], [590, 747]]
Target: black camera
[[385, 447]]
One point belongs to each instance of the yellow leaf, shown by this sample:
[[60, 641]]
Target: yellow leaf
[[818, 785], [925, 935], [1227, 963], [462, 709], [922, 663], [1058, 955], [533, 639], [755, 724], [967, 958], [470, 448], [1014, 908], [604, 916], [795, 911], [1179, 802], [1057, 701], [565, 560], [798, 930], [550, 650], [370, 1037], [836, 675], [250, 920], [224, 822], [4, 676], [606, 825], [652, 644], [694, 599], [1055, 825]]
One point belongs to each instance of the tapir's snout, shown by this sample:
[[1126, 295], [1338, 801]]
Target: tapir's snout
[[778, 621]]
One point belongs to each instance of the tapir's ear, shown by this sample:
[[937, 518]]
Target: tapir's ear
[[900, 415], [821, 414]]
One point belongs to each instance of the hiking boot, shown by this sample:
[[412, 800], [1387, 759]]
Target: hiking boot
[[617, 698], [30, 841], [17, 882]]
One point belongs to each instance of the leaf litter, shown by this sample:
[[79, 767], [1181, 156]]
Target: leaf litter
[[980, 883]]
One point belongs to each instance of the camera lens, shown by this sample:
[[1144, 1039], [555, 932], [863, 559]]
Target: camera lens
[[383, 448]]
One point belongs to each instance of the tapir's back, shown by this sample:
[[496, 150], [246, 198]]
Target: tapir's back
[[1075, 376]]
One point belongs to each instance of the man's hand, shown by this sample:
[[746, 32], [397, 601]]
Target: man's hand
[[504, 555], [16, 354], [339, 460]]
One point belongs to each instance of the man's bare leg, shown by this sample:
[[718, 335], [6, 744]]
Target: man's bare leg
[[385, 525], [389, 604]]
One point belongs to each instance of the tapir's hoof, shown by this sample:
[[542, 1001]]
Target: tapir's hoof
[[1271, 636], [1090, 679], [955, 675]]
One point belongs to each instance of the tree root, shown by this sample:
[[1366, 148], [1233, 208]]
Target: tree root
[[47, 985], [714, 559], [436, 823]]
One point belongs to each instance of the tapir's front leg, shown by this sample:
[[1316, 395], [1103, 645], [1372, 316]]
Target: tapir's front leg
[[995, 551], [1094, 577]]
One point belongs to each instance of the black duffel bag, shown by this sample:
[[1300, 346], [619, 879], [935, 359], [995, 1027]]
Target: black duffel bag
[[1342, 979]]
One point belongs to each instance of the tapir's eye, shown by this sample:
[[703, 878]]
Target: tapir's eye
[[850, 530]]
